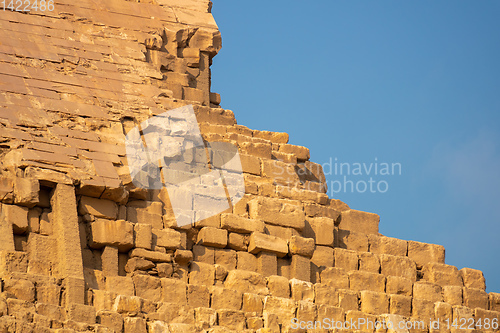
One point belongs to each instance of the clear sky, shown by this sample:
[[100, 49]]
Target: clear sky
[[409, 82]]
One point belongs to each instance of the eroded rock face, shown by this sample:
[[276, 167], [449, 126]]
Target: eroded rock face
[[82, 249]]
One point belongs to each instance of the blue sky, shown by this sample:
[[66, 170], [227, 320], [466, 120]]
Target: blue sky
[[409, 82]]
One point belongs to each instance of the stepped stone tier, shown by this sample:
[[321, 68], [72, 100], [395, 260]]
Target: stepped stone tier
[[82, 249]]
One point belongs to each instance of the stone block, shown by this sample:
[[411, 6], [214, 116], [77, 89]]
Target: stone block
[[119, 234], [428, 291], [369, 262], [374, 302], [423, 253], [278, 286], [302, 290], [173, 291], [422, 309], [235, 223], [302, 246], [330, 314], [253, 303], [494, 300], [444, 275], [400, 305], [281, 232], [26, 191], [167, 238], [246, 261], [127, 304], [201, 274], [364, 322], [246, 282], [300, 268], [145, 212], [232, 319], [398, 266], [147, 287], [387, 245], [399, 285], [17, 216], [358, 221], [262, 242], [223, 298], [280, 212], [453, 295], [198, 296], [486, 320], [20, 289], [351, 240], [335, 278], [321, 229], [82, 313], [213, 237], [111, 320], [153, 256], [143, 235], [346, 259], [359, 280], [109, 261], [267, 264], [324, 294], [138, 264], [238, 242], [348, 299], [121, 285], [134, 325], [443, 312], [475, 298], [204, 318], [473, 278], [98, 207], [204, 254], [283, 308]]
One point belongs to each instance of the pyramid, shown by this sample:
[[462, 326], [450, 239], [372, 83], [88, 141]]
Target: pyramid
[[87, 244]]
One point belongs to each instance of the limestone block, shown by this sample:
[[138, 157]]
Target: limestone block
[[398, 266], [226, 258], [48, 293], [127, 304], [147, 287], [494, 300], [483, 318], [358, 221], [82, 313], [302, 290], [399, 285], [374, 302], [122, 285], [275, 137], [214, 237], [359, 280], [34, 219], [453, 295], [324, 294], [198, 296], [232, 319], [464, 312], [365, 321], [351, 240], [306, 311], [281, 173], [223, 298], [280, 212], [428, 291], [109, 260], [346, 259], [321, 259], [138, 264], [302, 246], [111, 320], [283, 308], [321, 229], [150, 255], [400, 305], [235, 223], [134, 325], [422, 309], [444, 275], [330, 314], [145, 212], [473, 278], [315, 210], [261, 150], [281, 232], [302, 153], [278, 286], [369, 262], [423, 253], [261, 242], [157, 327], [143, 235], [246, 282], [204, 318], [267, 264], [335, 277], [237, 242], [255, 323], [26, 191], [173, 291], [168, 238], [204, 254], [20, 289], [119, 234], [201, 274], [387, 245], [300, 268], [98, 207], [17, 216], [246, 261], [475, 298]]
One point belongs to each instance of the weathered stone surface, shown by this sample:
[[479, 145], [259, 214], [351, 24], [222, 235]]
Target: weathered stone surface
[[222, 298], [374, 302], [387, 245], [473, 278], [346, 259], [398, 266], [400, 305], [351, 240], [26, 191], [355, 220], [423, 253], [98, 207], [150, 255], [475, 298], [444, 275], [302, 246], [359, 280], [399, 285], [428, 291], [168, 238], [246, 282], [278, 212], [262, 242], [16, 216], [143, 235], [321, 229], [335, 277], [119, 234], [235, 223], [213, 237]]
